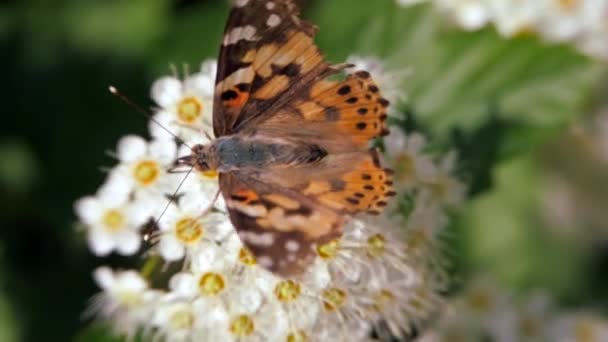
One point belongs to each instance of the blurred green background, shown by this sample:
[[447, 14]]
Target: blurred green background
[[507, 107]]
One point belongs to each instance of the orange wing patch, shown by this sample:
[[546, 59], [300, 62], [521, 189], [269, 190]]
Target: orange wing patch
[[367, 187], [355, 105]]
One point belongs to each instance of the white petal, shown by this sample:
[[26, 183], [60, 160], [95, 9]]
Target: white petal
[[204, 258], [211, 315], [88, 209], [200, 85], [170, 248], [166, 91], [131, 147], [114, 193], [209, 67], [100, 242], [143, 209], [183, 284], [160, 125], [195, 202], [171, 215], [395, 142], [248, 299], [104, 277], [163, 150], [131, 280], [219, 227], [128, 242]]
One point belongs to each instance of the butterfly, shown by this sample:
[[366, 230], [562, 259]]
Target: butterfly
[[292, 146]]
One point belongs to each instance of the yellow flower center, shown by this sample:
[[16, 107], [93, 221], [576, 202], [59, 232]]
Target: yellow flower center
[[404, 167], [376, 245], [188, 230], [211, 284], [329, 250], [246, 257], [287, 290], [181, 320], [189, 109], [584, 332], [567, 5], [333, 298], [481, 301], [530, 327], [418, 239], [113, 220], [146, 172], [298, 336], [129, 298], [382, 299], [440, 187], [210, 174], [242, 326]]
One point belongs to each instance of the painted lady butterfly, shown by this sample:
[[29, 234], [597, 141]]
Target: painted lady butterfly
[[292, 147]]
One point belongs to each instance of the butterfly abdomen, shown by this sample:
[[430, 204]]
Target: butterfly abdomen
[[237, 153]]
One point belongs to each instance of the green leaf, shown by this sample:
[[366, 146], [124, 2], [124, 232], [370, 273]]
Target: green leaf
[[98, 333], [505, 235], [458, 75], [126, 26]]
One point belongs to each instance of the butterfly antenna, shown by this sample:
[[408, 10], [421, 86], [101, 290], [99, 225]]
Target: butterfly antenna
[[156, 222], [145, 113]]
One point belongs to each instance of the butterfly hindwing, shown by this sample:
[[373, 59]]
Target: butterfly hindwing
[[347, 183], [279, 226]]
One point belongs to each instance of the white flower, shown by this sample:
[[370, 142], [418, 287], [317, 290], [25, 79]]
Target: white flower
[[113, 221], [512, 17], [406, 158], [143, 167], [567, 20], [125, 300], [186, 229], [470, 14], [579, 327], [176, 320], [186, 106], [442, 185], [410, 2], [389, 81], [593, 41]]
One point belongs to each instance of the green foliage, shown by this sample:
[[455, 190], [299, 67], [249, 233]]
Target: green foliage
[[457, 76]]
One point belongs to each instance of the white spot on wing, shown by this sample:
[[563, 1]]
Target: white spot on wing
[[273, 20], [249, 210], [292, 245], [240, 33], [241, 3], [265, 261], [270, 5], [263, 240]]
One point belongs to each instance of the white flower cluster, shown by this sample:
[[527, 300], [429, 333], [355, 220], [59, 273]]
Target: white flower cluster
[[485, 311], [583, 23], [384, 275]]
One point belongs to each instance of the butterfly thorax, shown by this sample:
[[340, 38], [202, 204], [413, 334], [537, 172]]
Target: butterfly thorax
[[234, 153]]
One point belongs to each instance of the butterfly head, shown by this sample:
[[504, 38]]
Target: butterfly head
[[203, 158]]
